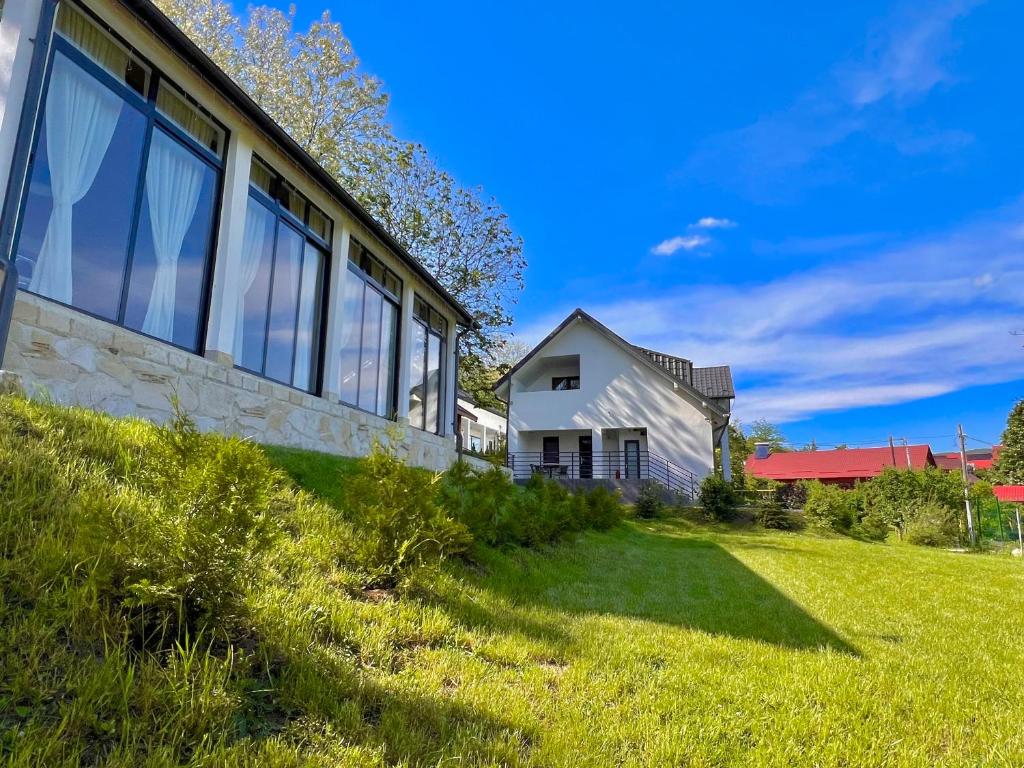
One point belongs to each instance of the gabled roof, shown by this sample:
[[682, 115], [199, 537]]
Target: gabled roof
[[665, 367], [165, 29], [845, 464]]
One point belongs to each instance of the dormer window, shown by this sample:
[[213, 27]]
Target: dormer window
[[562, 383]]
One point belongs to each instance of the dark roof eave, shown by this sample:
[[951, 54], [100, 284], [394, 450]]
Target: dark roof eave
[[184, 47]]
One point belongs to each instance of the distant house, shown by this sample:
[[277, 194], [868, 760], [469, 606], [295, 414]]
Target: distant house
[[1013, 494], [839, 467], [482, 429], [585, 404], [977, 459]]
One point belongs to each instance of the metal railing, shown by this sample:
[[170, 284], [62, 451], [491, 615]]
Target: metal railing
[[604, 465]]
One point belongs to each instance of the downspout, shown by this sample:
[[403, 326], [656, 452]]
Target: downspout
[[20, 167]]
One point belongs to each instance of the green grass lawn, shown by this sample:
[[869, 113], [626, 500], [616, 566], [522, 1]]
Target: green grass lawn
[[669, 644], [663, 643]]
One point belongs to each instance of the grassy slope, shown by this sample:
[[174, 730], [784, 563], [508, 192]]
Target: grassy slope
[[657, 644]]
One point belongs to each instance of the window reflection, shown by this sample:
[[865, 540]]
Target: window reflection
[[118, 217], [369, 345]]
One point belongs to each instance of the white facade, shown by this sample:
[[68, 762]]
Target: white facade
[[416, 345], [482, 429], [625, 402]]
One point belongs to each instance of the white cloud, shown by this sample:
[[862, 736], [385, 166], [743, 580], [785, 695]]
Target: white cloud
[[906, 57], [680, 243], [710, 222], [866, 96], [909, 321]]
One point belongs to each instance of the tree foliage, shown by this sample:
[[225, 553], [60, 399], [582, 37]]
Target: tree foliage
[[1009, 467], [311, 83], [762, 431]]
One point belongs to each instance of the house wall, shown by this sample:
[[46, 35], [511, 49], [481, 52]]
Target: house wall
[[72, 358], [616, 392], [80, 360], [489, 427]]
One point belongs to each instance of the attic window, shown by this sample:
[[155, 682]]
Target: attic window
[[563, 383]]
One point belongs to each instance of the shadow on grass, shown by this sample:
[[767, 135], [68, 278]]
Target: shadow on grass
[[685, 581]]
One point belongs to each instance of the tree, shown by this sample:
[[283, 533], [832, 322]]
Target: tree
[[1009, 467], [464, 239], [762, 431], [738, 453], [312, 85], [479, 372], [811, 446]]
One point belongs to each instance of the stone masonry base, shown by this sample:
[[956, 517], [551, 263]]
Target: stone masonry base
[[75, 359]]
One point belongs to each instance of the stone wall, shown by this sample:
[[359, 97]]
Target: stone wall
[[76, 359]]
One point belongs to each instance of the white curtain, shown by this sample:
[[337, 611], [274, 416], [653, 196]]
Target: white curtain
[[174, 181], [307, 316], [253, 246], [81, 116]]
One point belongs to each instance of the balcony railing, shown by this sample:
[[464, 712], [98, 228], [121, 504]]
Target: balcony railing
[[604, 465]]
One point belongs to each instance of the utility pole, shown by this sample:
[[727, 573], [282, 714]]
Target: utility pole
[[906, 449], [892, 450], [963, 472]]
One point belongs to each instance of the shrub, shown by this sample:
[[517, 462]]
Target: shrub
[[603, 508], [772, 514], [892, 498], [476, 498], [792, 495], [718, 498], [830, 507], [649, 503], [394, 506], [933, 525], [873, 525], [188, 542]]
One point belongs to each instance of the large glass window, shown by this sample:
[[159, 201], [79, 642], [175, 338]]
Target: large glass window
[[427, 369], [118, 220], [281, 281], [369, 345]]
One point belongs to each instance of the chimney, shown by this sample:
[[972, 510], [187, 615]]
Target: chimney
[[762, 450]]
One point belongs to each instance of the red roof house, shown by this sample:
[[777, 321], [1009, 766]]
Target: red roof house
[[977, 458], [1014, 493], [840, 467]]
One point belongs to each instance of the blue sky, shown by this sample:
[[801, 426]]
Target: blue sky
[[827, 196]]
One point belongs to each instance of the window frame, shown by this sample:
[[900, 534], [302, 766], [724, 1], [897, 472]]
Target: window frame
[[284, 216], [569, 380], [155, 118], [355, 271], [442, 387]]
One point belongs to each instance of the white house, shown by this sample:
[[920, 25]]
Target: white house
[[482, 428], [162, 236], [587, 404]]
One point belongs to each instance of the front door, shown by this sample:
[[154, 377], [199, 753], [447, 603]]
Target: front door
[[632, 458], [551, 449], [586, 457]]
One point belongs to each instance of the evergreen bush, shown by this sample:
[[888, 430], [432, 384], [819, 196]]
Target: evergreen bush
[[649, 503], [718, 498]]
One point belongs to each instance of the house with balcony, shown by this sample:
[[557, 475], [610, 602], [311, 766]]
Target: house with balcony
[[161, 236], [586, 405]]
